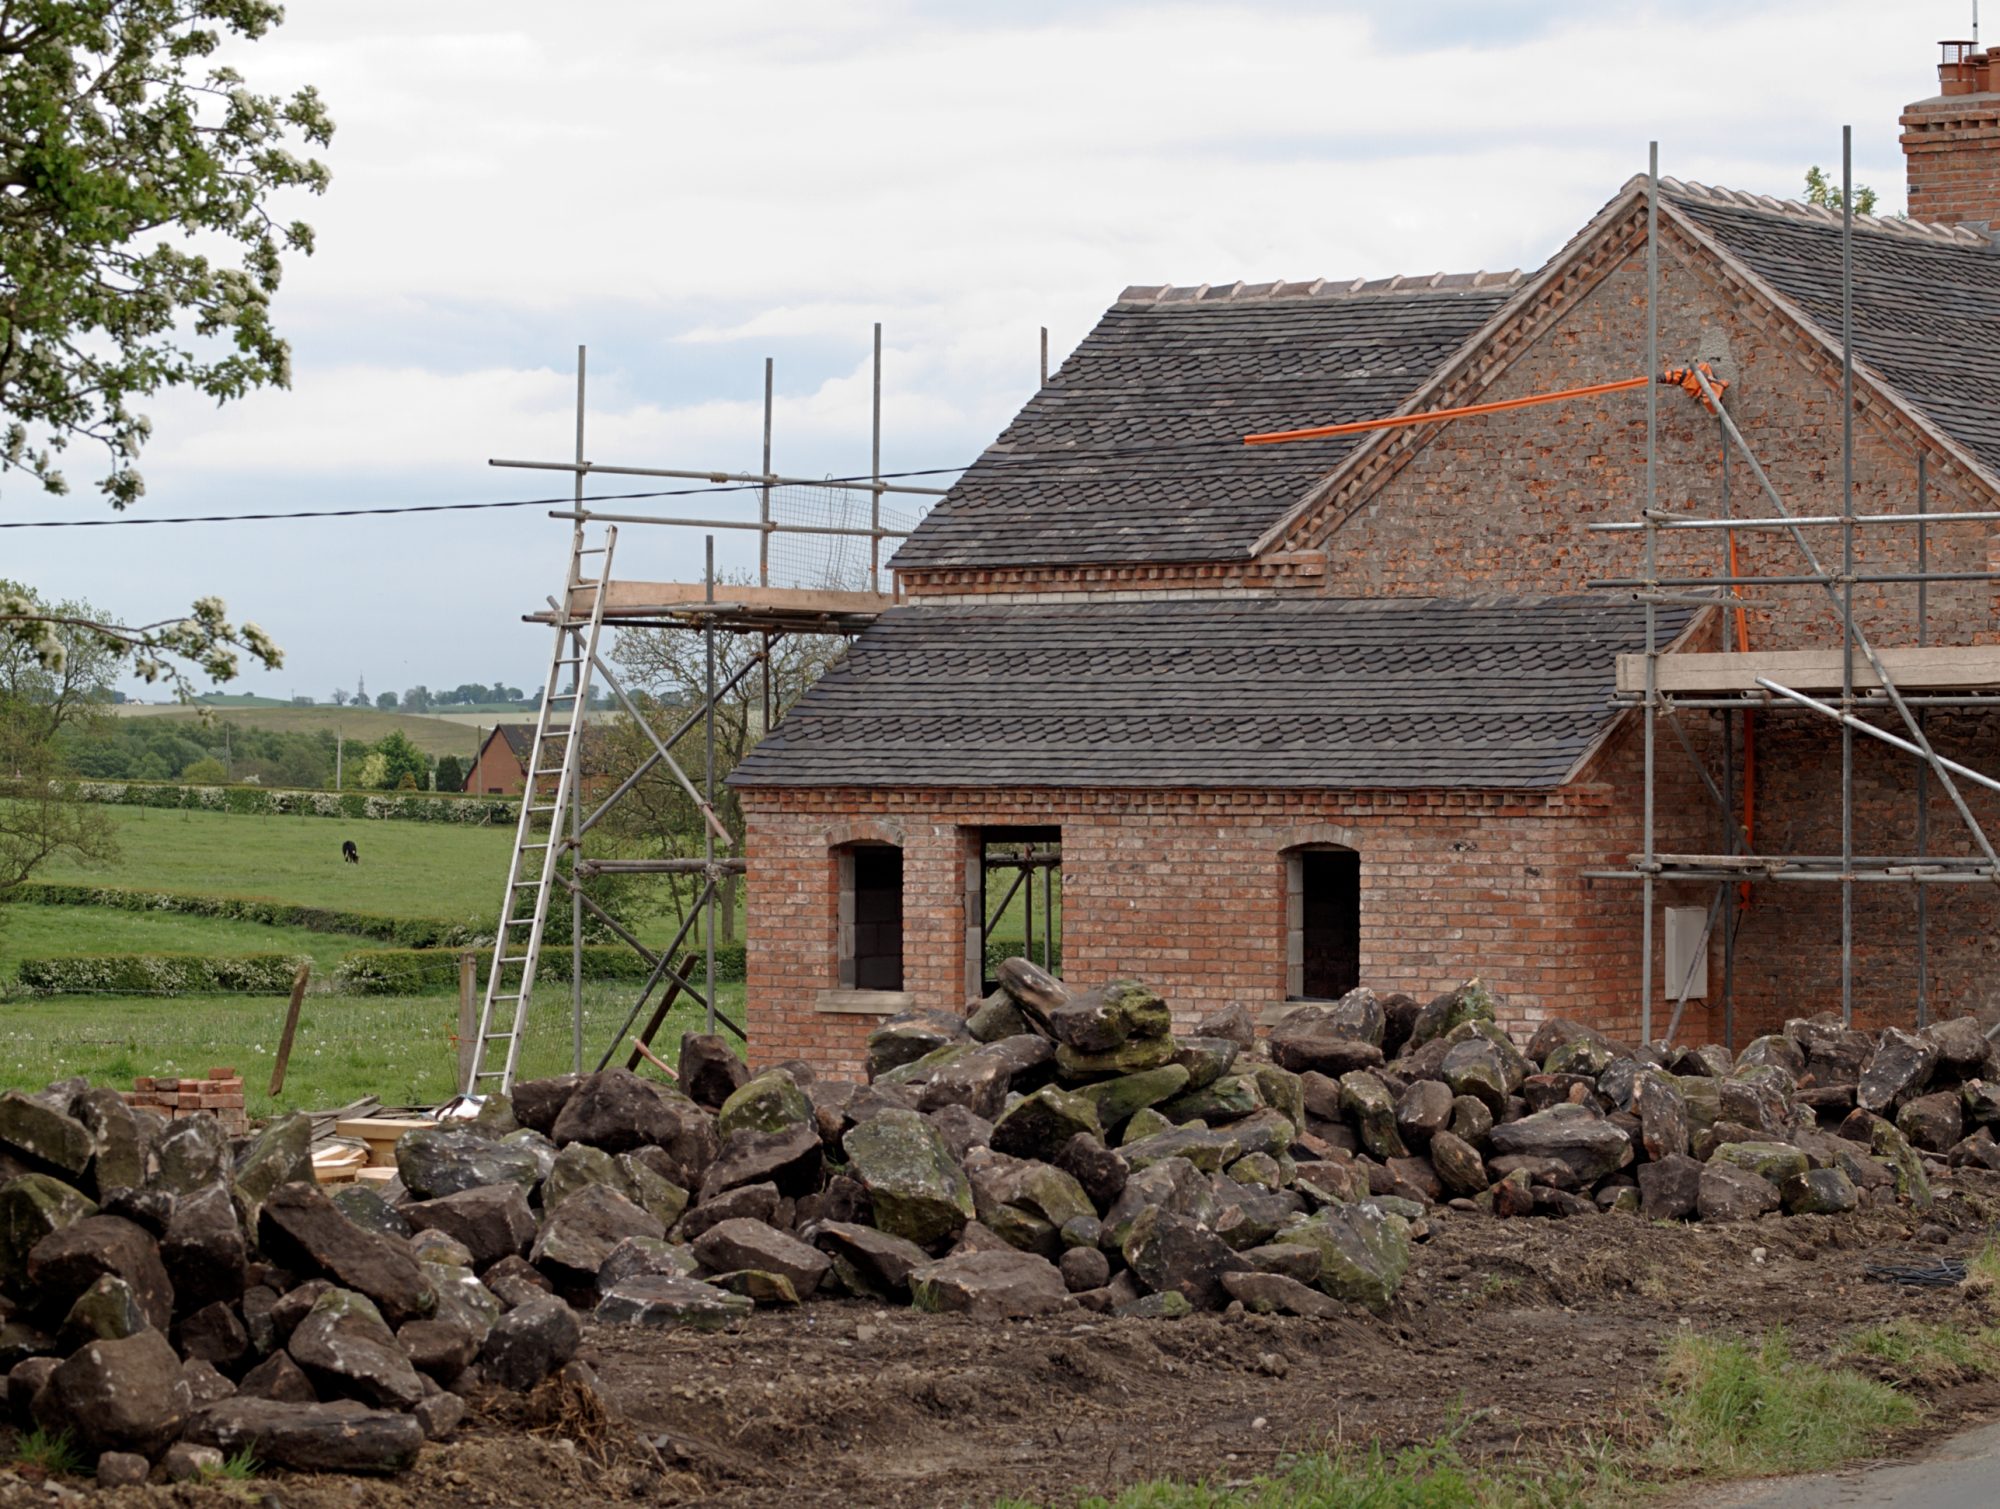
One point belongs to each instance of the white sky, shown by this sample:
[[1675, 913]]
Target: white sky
[[688, 188]]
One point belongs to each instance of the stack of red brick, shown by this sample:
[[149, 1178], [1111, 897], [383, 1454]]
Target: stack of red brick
[[220, 1094]]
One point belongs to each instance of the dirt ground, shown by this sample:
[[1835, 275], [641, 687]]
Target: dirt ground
[[1532, 1331]]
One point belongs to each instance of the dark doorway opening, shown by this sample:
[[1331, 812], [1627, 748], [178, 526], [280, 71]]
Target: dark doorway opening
[[1329, 911]]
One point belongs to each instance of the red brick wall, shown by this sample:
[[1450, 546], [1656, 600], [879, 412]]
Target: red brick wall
[[1951, 148], [1186, 890], [1502, 502], [1788, 948]]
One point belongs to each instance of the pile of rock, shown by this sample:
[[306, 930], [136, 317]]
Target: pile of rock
[[1439, 1104], [1049, 1149], [168, 1299]]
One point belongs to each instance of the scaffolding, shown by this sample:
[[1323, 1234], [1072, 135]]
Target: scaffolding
[[1856, 678], [819, 571]]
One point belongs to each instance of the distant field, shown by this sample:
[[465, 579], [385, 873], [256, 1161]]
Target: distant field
[[406, 869], [396, 1047], [456, 734], [33, 932]]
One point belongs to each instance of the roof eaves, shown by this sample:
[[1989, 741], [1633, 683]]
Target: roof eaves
[[1695, 624]]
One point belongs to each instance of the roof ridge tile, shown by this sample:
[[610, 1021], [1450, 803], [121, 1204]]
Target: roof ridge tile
[[1482, 280], [1796, 209]]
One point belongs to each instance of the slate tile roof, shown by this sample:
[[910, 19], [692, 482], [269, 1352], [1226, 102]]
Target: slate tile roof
[[1133, 452], [1926, 298], [1293, 692]]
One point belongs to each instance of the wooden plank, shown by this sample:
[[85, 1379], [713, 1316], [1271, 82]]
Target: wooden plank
[[468, 1017], [291, 1028], [643, 1043], [1931, 668], [626, 599]]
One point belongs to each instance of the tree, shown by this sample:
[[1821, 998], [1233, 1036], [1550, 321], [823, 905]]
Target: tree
[[118, 140], [41, 700], [450, 775], [1823, 192], [387, 701], [339, 697], [400, 759], [417, 699], [207, 771], [41, 817], [43, 708], [119, 145]]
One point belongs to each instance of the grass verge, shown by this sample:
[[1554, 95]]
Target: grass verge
[[1735, 1409]]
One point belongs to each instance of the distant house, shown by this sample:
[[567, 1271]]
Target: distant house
[[501, 766]]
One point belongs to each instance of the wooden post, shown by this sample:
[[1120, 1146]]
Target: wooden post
[[468, 1017], [291, 1027]]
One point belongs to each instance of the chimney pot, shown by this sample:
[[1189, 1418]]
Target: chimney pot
[[1951, 147], [1960, 67]]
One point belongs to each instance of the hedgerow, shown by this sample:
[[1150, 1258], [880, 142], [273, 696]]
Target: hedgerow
[[265, 801], [160, 974], [404, 932], [419, 971]]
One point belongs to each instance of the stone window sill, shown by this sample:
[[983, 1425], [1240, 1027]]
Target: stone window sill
[[865, 1002]]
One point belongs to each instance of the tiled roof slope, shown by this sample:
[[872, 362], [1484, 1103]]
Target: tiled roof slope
[[1133, 452], [1301, 692], [1926, 299]]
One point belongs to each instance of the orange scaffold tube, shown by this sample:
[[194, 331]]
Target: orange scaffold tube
[[1679, 377]]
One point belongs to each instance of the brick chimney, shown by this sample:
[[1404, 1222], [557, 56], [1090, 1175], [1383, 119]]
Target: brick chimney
[[1951, 143]]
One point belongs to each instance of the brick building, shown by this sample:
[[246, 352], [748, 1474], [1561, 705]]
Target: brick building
[[501, 766], [1286, 718]]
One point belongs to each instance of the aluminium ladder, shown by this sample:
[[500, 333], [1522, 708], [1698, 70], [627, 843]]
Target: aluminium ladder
[[555, 755]]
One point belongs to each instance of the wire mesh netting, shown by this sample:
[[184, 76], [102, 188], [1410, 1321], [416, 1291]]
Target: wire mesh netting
[[829, 562]]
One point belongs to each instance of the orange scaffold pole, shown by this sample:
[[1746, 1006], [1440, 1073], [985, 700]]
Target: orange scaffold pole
[[1680, 377]]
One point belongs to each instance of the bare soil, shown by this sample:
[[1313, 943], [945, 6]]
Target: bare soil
[[1525, 1335]]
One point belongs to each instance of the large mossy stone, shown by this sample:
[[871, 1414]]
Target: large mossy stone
[[1363, 1253], [32, 1207], [918, 1192], [1118, 1100], [1039, 1125], [1130, 1057]]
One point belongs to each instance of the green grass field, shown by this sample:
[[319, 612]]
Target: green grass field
[[398, 1048], [407, 869], [32, 932]]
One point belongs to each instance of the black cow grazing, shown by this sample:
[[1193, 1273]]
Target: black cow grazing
[[349, 853]]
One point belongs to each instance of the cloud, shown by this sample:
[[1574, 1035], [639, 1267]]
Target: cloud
[[690, 189]]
